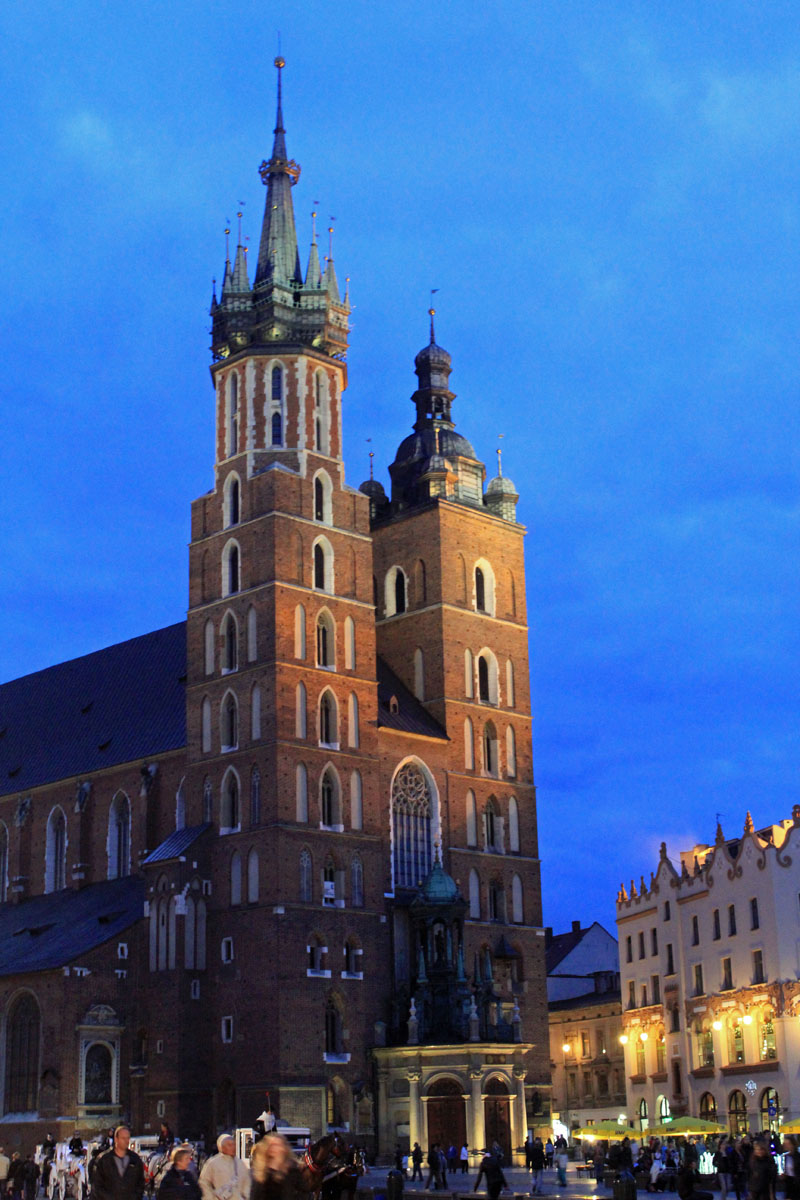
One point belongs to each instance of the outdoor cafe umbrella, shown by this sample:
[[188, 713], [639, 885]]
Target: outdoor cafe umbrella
[[791, 1126], [608, 1131], [686, 1127]]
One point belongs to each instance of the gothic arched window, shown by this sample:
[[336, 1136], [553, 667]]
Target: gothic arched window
[[277, 384], [230, 656], [255, 797], [23, 1034], [55, 874], [357, 883], [330, 801], [230, 723], [305, 877], [118, 844], [277, 429], [229, 811], [411, 824]]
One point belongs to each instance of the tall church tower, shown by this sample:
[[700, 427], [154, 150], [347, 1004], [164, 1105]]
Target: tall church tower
[[281, 691], [451, 623]]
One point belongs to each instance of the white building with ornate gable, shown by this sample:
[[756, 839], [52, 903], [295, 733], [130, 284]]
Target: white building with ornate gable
[[710, 976]]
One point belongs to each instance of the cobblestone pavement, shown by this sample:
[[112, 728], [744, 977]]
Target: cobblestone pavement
[[579, 1187]]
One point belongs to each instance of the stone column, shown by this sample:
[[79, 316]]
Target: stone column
[[519, 1116], [478, 1138], [414, 1115], [385, 1139]]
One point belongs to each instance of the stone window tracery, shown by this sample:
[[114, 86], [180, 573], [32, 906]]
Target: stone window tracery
[[411, 817]]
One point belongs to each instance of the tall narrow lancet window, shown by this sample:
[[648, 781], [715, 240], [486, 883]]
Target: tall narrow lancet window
[[480, 590], [233, 417], [23, 1036], [229, 811], [319, 501], [230, 723], [319, 567], [399, 592], [411, 826], [277, 385], [328, 731], [305, 877], [255, 797], [118, 843], [483, 679], [230, 652], [277, 429], [55, 874]]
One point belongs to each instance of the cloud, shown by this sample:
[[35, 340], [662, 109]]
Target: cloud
[[88, 136]]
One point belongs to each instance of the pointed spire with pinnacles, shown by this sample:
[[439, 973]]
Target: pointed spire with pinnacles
[[278, 257]]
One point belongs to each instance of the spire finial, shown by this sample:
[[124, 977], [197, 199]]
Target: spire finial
[[432, 312], [280, 63], [330, 239], [500, 437], [314, 224], [371, 456], [227, 242], [240, 215]]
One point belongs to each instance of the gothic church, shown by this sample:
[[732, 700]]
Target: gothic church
[[289, 845]]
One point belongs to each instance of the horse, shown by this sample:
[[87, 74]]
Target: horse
[[278, 1175]]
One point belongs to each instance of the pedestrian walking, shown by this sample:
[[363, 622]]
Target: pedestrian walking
[[762, 1174], [5, 1163], [492, 1171], [538, 1161], [434, 1168], [224, 1176], [464, 1156], [119, 1172], [791, 1169], [549, 1151], [30, 1177], [416, 1162], [179, 1182], [561, 1159]]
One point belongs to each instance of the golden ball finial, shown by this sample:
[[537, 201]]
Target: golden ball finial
[[280, 62], [432, 312]]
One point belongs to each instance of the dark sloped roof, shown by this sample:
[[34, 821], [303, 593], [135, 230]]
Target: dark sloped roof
[[177, 843], [116, 705], [411, 716], [560, 947], [51, 931]]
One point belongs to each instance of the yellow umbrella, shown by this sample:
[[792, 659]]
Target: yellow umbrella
[[791, 1126], [686, 1127], [607, 1131]]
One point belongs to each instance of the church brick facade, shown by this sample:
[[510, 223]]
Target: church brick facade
[[289, 845]]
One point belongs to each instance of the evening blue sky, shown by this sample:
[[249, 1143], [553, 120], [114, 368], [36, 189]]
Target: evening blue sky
[[606, 195]]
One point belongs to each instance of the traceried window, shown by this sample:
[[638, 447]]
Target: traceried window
[[411, 823], [357, 883], [23, 1034], [55, 876], [305, 877]]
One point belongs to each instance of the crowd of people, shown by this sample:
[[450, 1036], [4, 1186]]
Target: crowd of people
[[745, 1167]]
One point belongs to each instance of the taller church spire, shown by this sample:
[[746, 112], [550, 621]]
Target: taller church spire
[[282, 308], [278, 257]]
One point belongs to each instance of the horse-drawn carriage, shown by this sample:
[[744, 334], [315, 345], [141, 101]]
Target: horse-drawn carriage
[[65, 1173]]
